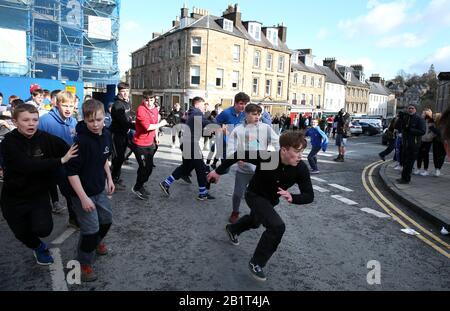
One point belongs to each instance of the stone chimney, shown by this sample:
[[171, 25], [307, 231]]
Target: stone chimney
[[176, 22], [375, 78], [358, 67], [198, 13], [330, 63], [282, 33], [155, 35], [359, 71], [184, 12], [233, 13]]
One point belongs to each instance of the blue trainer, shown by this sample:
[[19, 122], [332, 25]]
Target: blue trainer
[[42, 255]]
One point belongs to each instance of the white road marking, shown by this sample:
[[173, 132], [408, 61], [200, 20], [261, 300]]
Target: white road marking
[[64, 236], [340, 187], [320, 189], [57, 272], [375, 213], [344, 200], [318, 179]]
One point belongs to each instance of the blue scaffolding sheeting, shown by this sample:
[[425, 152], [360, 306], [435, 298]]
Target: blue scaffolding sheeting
[[73, 40]]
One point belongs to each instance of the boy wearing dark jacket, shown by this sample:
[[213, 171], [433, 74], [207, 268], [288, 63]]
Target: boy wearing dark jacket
[[31, 158], [87, 174], [121, 124]]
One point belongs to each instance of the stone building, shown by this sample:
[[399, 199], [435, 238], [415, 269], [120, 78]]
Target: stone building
[[443, 92], [215, 58]]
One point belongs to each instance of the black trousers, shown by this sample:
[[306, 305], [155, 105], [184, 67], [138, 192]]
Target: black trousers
[[424, 155], [186, 168], [120, 143], [30, 221], [262, 212], [409, 155], [439, 154], [144, 157], [389, 149]]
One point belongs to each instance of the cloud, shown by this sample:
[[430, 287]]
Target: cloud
[[367, 63], [437, 13], [440, 59], [372, 3], [381, 19], [131, 26], [406, 40], [322, 34]]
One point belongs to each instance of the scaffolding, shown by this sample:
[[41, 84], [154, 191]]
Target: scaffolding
[[73, 40]]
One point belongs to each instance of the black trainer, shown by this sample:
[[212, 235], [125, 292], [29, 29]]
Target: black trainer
[[139, 193], [257, 272], [205, 197], [165, 188], [233, 237]]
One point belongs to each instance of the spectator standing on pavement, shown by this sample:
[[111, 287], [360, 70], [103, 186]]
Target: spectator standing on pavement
[[329, 125], [413, 128], [194, 160], [89, 176], [264, 192], [390, 136], [438, 146], [251, 135], [340, 135], [425, 146], [319, 140], [398, 141], [31, 158], [144, 141], [174, 119], [60, 123], [121, 125]]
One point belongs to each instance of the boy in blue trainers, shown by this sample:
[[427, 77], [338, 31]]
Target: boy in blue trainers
[[87, 175], [31, 158]]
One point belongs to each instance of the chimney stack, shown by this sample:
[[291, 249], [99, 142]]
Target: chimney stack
[[375, 78], [282, 33], [233, 13], [184, 12], [155, 35], [330, 63]]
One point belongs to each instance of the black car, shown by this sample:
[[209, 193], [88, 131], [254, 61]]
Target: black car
[[370, 129]]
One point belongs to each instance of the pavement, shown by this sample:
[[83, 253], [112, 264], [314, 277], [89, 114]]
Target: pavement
[[427, 196]]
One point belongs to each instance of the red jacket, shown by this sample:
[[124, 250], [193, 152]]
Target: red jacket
[[144, 118]]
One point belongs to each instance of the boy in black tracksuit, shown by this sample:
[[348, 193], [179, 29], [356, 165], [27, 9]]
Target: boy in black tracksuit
[[121, 124], [87, 175], [413, 128], [31, 159], [264, 192]]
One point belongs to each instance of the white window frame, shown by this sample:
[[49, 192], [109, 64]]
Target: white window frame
[[257, 59], [235, 76], [170, 77], [254, 30], [255, 86], [280, 88], [193, 71], [269, 61], [196, 44], [281, 63], [221, 76], [268, 88], [237, 53], [295, 78], [228, 25]]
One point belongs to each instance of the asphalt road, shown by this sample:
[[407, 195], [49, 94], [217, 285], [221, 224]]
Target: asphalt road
[[179, 244]]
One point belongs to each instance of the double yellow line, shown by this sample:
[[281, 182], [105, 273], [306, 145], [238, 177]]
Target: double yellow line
[[399, 216]]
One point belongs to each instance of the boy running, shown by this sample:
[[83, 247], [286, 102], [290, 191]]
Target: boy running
[[87, 175]]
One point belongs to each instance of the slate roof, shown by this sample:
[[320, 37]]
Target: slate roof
[[378, 88], [331, 77], [354, 80], [302, 67], [212, 22]]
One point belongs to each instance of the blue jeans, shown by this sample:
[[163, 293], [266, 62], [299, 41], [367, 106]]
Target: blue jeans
[[312, 157], [90, 224]]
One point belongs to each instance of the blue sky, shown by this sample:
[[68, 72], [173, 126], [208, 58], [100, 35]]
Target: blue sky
[[383, 35]]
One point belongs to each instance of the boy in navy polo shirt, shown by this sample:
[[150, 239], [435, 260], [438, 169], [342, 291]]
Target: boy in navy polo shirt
[[87, 174]]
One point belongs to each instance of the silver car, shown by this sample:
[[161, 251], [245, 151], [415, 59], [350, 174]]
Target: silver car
[[355, 129]]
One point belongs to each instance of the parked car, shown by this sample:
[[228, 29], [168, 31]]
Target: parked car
[[370, 129], [355, 128]]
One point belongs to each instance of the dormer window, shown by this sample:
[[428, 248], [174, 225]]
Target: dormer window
[[227, 25], [254, 30], [362, 77], [348, 76], [272, 36]]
